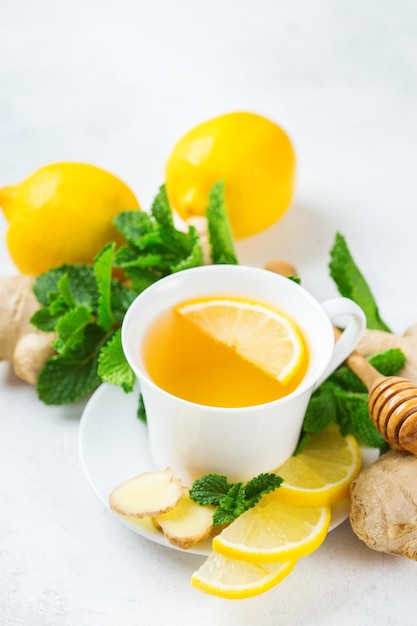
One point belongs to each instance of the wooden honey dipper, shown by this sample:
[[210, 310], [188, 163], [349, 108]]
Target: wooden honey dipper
[[392, 403]]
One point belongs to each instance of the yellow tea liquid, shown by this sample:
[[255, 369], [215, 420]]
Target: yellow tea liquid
[[183, 360]]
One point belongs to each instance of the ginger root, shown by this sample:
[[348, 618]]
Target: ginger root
[[374, 341], [383, 504], [20, 342]]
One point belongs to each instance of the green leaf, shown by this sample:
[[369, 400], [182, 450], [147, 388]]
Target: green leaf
[[141, 278], [112, 364], [195, 257], [81, 281], [303, 441], [231, 505], [233, 499], [57, 304], [260, 486], [141, 412], [43, 320], [65, 292], [71, 329], [389, 362], [351, 283], [68, 378], [220, 233], [134, 225], [121, 299], [175, 240], [103, 271], [210, 489], [354, 419], [321, 410]]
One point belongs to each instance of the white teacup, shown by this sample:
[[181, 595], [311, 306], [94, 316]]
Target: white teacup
[[240, 443]]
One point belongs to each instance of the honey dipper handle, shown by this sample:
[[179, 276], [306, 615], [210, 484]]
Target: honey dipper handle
[[360, 366], [363, 369]]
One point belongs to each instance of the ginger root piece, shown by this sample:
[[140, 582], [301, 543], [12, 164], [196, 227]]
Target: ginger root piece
[[281, 266], [146, 495], [26, 347], [379, 340], [383, 504], [187, 523]]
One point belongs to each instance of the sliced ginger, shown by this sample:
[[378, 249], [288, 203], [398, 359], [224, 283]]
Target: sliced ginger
[[163, 498], [147, 495], [187, 523]]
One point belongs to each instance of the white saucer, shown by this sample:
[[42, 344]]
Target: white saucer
[[113, 446]]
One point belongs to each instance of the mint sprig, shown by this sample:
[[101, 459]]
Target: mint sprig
[[220, 232], [154, 247], [85, 305], [231, 499], [343, 399], [82, 306], [352, 284]]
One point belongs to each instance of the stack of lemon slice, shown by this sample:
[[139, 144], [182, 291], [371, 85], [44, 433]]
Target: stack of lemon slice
[[261, 547]]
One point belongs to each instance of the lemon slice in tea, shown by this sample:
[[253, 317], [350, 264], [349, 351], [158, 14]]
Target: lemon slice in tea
[[260, 335]]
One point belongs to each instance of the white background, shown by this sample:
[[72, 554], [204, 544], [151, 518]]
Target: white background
[[116, 84]]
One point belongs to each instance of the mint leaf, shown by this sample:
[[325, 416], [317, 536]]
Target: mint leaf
[[351, 283], [68, 377], [122, 297], [231, 505], [112, 364], [220, 233], [389, 362], [141, 412], [321, 410], [210, 489], [81, 282], [65, 292], [260, 486], [354, 419], [134, 226], [155, 247], [71, 329], [103, 264], [231, 500], [195, 257], [42, 319]]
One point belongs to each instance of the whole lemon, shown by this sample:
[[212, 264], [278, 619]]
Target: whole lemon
[[63, 213], [255, 158]]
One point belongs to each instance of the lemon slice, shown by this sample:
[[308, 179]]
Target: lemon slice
[[228, 578], [264, 337], [274, 531], [322, 473]]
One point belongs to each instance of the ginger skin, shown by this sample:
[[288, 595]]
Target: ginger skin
[[374, 341], [383, 504], [25, 347]]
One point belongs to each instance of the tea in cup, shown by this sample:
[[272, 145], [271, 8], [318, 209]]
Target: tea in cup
[[218, 396]]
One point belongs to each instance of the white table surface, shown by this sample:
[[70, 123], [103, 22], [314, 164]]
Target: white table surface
[[116, 84]]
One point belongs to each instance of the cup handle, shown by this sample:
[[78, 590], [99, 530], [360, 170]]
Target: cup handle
[[349, 338]]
